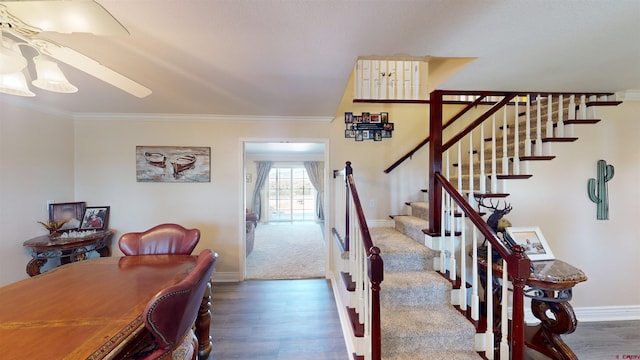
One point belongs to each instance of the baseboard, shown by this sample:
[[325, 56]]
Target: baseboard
[[377, 223], [597, 313], [226, 277], [607, 313]]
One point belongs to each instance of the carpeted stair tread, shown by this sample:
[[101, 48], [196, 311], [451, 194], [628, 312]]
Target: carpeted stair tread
[[401, 253], [425, 328], [415, 288], [440, 355], [420, 209], [411, 226]]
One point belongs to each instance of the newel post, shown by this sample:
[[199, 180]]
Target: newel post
[[376, 275], [519, 268], [435, 160], [348, 170]]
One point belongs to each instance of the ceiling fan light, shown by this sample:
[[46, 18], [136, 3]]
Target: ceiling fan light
[[50, 77], [11, 59], [15, 84]]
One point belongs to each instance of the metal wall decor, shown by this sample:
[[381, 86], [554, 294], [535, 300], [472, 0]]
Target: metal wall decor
[[598, 190], [367, 126]]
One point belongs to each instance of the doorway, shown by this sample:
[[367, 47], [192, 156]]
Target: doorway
[[284, 198]]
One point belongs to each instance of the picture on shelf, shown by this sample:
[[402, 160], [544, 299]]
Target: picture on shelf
[[388, 126], [366, 117], [384, 117], [71, 213], [95, 218], [375, 118], [365, 134], [533, 242], [359, 136], [377, 136]]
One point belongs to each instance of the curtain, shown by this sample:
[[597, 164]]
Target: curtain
[[263, 168], [315, 170]]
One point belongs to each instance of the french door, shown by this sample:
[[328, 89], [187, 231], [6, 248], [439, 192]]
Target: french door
[[291, 195]]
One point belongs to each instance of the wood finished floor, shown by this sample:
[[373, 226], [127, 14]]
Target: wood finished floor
[[276, 320], [297, 319]]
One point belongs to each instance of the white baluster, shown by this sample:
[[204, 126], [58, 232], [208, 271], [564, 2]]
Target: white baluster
[[494, 160], [549, 116], [516, 140], [483, 175], [475, 298], [471, 167], [452, 242], [459, 169], [560, 127], [527, 139], [571, 115], [489, 294], [504, 315], [463, 263], [592, 113], [505, 135], [539, 126], [582, 110]]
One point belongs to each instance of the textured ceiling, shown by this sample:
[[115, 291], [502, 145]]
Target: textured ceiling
[[294, 58]]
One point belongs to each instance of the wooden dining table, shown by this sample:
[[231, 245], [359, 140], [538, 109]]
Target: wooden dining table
[[90, 309]]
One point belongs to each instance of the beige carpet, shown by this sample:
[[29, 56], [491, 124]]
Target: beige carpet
[[287, 251]]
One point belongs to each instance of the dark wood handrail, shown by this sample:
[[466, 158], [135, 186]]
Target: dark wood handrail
[[518, 266], [426, 141], [375, 267]]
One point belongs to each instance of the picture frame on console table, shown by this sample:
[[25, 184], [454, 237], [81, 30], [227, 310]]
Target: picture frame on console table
[[72, 212], [533, 242], [95, 218]]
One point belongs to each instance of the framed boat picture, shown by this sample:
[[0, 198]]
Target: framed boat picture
[[178, 164]]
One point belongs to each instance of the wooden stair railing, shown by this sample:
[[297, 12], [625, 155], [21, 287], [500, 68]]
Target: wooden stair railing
[[518, 270], [366, 270]]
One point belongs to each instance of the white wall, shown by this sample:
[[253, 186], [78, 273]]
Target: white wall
[[555, 199], [36, 162], [105, 168]]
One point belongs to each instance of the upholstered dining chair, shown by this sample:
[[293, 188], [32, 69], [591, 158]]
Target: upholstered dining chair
[[171, 313], [160, 240]]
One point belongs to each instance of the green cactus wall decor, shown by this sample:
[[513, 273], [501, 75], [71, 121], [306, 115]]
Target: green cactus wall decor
[[597, 189]]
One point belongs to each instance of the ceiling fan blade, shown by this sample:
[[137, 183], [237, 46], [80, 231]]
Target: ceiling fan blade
[[83, 16], [90, 66]]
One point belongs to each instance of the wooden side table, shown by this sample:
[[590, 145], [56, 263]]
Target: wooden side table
[[67, 250]]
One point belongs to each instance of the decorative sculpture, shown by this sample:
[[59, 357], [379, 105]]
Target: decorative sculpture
[[597, 190], [53, 226]]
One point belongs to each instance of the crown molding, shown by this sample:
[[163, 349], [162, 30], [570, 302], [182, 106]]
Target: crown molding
[[628, 95], [196, 117]]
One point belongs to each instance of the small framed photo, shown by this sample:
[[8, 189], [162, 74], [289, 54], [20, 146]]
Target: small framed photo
[[348, 117], [366, 117], [70, 212], [384, 117], [533, 242], [375, 118], [377, 135], [388, 126], [95, 218], [359, 135], [386, 134], [349, 134], [366, 134]]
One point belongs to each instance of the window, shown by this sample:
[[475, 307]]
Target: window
[[291, 195]]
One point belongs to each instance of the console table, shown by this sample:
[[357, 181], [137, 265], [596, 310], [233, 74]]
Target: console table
[[550, 287], [67, 250]]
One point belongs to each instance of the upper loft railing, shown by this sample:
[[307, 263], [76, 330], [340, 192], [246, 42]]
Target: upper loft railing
[[473, 99], [365, 265]]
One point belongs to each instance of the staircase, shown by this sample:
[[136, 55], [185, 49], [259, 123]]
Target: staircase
[[418, 320], [418, 316]]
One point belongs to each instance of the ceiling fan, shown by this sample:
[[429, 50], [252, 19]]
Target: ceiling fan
[[26, 21]]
